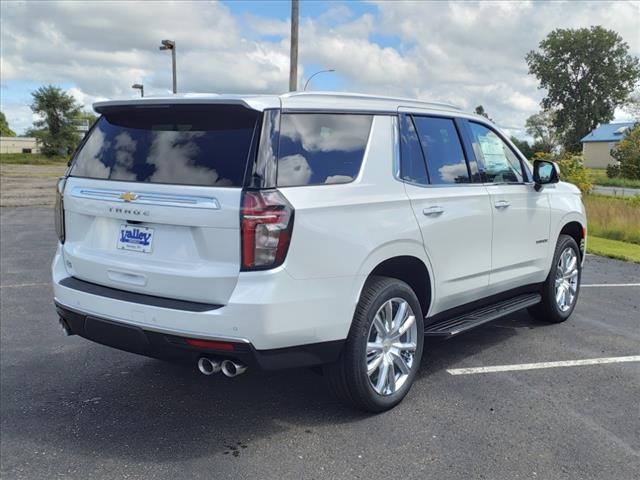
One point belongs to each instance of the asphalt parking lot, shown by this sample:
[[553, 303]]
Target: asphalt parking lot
[[74, 409]]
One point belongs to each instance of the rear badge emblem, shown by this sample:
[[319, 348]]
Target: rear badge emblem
[[128, 196]]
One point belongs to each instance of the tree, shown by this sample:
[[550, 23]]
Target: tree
[[627, 152], [524, 147], [5, 131], [632, 107], [541, 127], [587, 73], [480, 111], [59, 111]]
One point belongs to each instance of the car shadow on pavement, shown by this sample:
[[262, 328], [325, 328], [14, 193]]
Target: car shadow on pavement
[[87, 399]]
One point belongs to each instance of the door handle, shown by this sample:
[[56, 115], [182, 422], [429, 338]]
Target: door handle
[[502, 204], [433, 211]]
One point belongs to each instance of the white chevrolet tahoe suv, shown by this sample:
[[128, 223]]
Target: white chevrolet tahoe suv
[[308, 229]]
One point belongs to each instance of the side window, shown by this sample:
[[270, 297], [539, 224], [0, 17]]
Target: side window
[[501, 165], [442, 149], [412, 167], [320, 148]]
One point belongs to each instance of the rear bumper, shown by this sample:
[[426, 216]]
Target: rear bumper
[[175, 348]]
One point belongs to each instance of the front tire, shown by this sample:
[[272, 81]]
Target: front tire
[[383, 350], [562, 286]]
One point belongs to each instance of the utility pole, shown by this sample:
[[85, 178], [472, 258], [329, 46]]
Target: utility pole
[[293, 59], [171, 45]]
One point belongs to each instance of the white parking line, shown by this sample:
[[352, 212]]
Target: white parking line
[[535, 366], [611, 285]]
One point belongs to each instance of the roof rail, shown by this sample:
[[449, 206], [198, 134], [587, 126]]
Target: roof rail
[[372, 97]]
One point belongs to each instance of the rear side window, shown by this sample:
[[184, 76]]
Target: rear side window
[[500, 163], [442, 149], [320, 148], [178, 144]]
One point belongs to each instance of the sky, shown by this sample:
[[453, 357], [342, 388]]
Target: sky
[[466, 53]]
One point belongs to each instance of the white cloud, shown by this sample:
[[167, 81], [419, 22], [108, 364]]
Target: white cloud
[[468, 53]]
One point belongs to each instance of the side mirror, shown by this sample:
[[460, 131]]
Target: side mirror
[[545, 172]]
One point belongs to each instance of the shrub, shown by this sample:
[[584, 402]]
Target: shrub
[[613, 170], [572, 170], [627, 152]]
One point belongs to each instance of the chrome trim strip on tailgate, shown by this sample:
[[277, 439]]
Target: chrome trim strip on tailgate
[[146, 198]]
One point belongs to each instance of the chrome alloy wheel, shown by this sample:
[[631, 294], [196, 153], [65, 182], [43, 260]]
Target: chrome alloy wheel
[[566, 279], [391, 346]]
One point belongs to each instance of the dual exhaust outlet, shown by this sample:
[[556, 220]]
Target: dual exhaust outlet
[[229, 368]]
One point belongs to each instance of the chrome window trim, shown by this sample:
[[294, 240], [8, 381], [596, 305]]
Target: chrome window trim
[[147, 198]]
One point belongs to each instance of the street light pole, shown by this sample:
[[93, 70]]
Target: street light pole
[[171, 45], [293, 54], [317, 73], [139, 86]]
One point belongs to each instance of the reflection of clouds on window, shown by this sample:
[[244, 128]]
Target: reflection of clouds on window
[[88, 163], [454, 173], [326, 133], [173, 155], [338, 179], [293, 170], [125, 147]]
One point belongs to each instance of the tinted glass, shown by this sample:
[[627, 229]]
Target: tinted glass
[[412, 167], [442, 149], [321, 148], [180, 144], [500, 163]]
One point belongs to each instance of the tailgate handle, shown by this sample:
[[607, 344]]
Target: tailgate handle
[[126, 277]]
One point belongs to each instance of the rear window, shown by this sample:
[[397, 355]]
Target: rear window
[[178, 144], [321, 148]]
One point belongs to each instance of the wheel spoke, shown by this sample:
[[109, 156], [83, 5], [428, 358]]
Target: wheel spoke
[[405, 347], [400, 316], [391, 378], [373, 365], [379, 325], [571, 265], [374, 347], [560, 295], [388, 316], [400, 363], [382, 378], [411, 319]]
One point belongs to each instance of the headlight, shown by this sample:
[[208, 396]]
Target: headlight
[[59, 209]]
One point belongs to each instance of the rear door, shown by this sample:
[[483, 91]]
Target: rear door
[[521, 216], [152, 202], [451, 207]]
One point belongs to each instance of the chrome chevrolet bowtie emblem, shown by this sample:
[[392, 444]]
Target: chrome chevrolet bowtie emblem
[[128, 196]]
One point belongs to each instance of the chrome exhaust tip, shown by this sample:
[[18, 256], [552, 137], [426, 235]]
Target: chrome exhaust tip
[[65, 327], [208, 366], [232, 369]]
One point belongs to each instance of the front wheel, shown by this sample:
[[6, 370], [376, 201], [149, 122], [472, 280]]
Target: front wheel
[[383, 350], [562, 286]]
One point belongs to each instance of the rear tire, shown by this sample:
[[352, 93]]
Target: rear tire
[[383, 349], [562, 286]]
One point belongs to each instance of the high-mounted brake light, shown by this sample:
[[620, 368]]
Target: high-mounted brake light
[[267, 222]]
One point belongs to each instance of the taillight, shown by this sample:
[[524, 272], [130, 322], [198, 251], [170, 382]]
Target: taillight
[[267, 222], [59, 208]]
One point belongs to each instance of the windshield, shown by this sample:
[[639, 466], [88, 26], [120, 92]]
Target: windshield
[[177, 144]]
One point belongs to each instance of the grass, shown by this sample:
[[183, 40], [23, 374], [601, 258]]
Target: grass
[[613, 249], [598, 176], [614, 218], [31, 159]]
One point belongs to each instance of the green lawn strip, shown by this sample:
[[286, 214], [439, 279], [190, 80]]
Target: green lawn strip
[[598, 176], [31, 159], [604, 247]]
